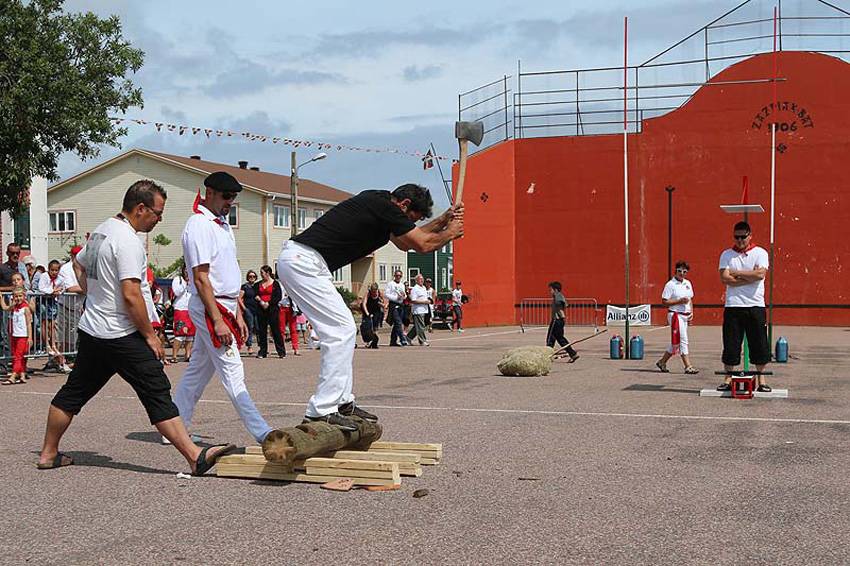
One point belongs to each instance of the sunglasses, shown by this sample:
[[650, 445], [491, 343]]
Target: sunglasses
[[740, 237], [679, 270], [13, 253], [158, 213], [228, 195]]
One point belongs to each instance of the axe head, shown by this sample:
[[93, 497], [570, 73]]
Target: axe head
[[471, 131]]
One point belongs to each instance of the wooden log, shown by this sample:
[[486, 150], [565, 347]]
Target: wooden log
[[309, 439]]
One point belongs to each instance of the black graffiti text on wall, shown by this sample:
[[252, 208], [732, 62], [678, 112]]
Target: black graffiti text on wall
[[789, 117]]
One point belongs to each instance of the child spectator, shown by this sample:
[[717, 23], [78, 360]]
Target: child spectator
[[21, 334]]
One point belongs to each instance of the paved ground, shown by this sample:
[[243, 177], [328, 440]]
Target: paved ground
[[601, 462]]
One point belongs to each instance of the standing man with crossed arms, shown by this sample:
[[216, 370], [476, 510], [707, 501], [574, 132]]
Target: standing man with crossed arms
[[116, 335], [353, 229], [209, 249]]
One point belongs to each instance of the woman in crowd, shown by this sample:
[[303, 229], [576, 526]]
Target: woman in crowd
[[268, 294], [184, 329], [677, 297], [250, 308], [372, 304], [288, 313]]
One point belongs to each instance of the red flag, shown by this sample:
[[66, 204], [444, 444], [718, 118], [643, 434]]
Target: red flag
[[428, 160]]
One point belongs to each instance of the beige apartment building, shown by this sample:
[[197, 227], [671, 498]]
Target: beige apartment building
[[260, 217]]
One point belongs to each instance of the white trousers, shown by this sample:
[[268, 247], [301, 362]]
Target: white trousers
[[307, 279], [683, 332], [207, 360]]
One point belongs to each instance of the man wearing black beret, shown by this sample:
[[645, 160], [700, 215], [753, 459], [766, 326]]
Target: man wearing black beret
[[215, 279]]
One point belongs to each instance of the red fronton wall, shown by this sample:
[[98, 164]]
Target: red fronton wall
[[570, 227]]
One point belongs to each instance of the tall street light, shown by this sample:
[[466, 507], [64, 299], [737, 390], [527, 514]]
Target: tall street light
[[293, 188]]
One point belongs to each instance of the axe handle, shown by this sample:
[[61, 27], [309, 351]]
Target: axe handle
[[594, 335], [462, 170]]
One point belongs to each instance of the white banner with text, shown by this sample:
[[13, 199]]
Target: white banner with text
[[639, 315]]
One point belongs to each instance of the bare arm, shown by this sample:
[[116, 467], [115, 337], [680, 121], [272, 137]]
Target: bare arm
[[757, 274], [423, 241], [671, 302], [80, 272], [134, 303]]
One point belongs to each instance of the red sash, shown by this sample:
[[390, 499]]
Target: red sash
[[229, 320], [675, 332]]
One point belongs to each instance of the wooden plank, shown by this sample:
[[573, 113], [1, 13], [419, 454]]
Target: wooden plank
[[337, 472], [238, 471], [408, 463], [428, 450], [252, 459]]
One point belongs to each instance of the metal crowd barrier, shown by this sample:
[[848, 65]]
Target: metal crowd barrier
[[537, 311], [54, 325]]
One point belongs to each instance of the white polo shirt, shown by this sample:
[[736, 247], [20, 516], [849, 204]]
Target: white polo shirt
[[418, 293], [67, 278], [674, 290], [181, 293], [112, 254], [751, 294], [457, 297], [209, 240]]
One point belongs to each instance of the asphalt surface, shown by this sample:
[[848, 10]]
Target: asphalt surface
[[601, 462]]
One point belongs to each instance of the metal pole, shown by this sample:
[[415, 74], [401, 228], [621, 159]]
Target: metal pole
[[446, 186], [772, 188], [669, 231], [626, 345], [505, 86], [293, 197]]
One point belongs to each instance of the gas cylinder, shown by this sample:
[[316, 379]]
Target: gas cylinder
[[636, 347], [781, 350], [616, 346]]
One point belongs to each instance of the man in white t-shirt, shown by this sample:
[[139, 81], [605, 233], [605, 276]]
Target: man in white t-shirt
[[743, 269], [116, 335], [215, 279], [395, 295], [419, 301], [70, 304], [457, 308]]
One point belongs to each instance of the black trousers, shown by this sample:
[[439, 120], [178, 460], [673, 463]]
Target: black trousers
[[457, 313], [556, 334], [266, 318], [741, 321], [98, 359]]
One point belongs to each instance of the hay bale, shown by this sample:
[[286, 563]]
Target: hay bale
[[526, 361]]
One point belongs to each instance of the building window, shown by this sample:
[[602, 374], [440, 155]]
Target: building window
[[412, 273], [233, 217], [382, 272], [318, 214], [63, 221], [302, 218], [281, 216], [449, 247], [445, 281], [338, 275]]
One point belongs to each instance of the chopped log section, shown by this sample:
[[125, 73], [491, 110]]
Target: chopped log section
[[316, 470], [286, 445]]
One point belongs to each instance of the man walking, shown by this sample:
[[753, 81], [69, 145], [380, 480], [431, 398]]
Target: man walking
[[352, 229], [743, 269], [420, 302], [395, 295], [116, 335], [556, 326], [209, 249], [457, 308]]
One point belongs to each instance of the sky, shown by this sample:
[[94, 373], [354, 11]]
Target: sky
[[366, 74]]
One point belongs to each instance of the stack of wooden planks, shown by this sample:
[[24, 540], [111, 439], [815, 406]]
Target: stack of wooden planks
[[382, 463]]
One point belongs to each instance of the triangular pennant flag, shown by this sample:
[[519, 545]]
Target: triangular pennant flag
[[427, 160]]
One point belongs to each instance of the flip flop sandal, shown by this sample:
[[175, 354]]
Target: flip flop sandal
[[764, 388], [662, 366], [7, 382], [60, 461], [202, 465], [691, 370], [724, 387], [19, 380]]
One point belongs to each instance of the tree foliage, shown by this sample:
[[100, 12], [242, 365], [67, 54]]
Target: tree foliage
[[61, 75]]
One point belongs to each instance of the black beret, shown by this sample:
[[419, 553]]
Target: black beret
[[221, 181]]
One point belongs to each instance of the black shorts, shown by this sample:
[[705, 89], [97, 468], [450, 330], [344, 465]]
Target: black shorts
[[130, 357], [749, 321]]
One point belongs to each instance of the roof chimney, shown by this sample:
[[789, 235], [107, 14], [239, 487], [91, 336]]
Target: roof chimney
[[198, 157], [255, 168], [243, 164]]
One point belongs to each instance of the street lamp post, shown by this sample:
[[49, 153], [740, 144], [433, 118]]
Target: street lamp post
[[293, 188]]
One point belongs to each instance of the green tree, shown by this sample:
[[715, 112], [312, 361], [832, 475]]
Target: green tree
[[61, 75], [160, 241]]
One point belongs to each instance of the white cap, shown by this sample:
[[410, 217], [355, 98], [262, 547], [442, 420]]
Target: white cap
[[30, 260]]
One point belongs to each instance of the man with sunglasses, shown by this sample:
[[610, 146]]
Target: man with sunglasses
[[743, 269], [215, 281], [11, 266], [354, 228]]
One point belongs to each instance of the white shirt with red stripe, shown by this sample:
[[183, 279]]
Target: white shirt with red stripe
[[208, 239]]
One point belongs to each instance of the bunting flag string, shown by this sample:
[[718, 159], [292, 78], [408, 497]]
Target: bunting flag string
[[250, 136]]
